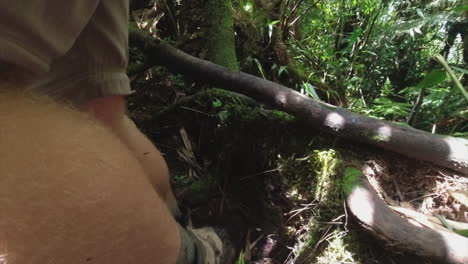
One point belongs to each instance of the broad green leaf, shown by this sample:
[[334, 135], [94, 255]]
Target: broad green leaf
[[460, 70], [270, 27], [311, 91], [354, 37], [432, 79], [283, 69], [217, 103], [420, 12], [259, 66], [463, 232]]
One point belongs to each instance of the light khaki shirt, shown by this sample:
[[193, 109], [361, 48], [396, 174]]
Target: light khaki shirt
[[73, 50]]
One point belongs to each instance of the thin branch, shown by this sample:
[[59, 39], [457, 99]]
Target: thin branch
[[293, 10], [303, 13], [452, 75]]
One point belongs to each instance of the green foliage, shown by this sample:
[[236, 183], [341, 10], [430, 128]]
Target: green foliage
[[326, 164], [432, 79], [311, 91], [460, 8], [387, 107], [221, 49], [351, 179], [241, 258], [377, 57]]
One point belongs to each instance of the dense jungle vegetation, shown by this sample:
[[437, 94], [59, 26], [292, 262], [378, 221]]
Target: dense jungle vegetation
[[283, 182]]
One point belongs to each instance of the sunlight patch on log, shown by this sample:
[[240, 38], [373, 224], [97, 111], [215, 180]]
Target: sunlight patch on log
[[457, 146], [334, 121], [360, 202], [384, 133]]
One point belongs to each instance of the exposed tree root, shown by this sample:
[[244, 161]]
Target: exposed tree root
[[374, 215], [445, 151]]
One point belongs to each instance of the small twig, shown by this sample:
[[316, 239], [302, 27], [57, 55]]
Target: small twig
[[194, 110], [454, 178], [330, 223], [298, 211], [293, 10], [338, 218], [304, 206], [303, 13], [256, 174], [324, 237], [346, 215], [397, 189], [253, 244], [425, 196]]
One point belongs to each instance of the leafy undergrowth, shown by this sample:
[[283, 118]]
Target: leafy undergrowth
[[275, 185]]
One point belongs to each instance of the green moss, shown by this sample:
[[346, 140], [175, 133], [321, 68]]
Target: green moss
[[351, 178], [379, 138], [232, 107], [281, 116], [328, 179], [221, 48], [326, 165]]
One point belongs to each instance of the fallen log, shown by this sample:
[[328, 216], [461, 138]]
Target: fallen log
[[374, 215], [445, 151]]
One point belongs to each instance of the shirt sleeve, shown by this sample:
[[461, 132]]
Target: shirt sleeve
[[34, 33]]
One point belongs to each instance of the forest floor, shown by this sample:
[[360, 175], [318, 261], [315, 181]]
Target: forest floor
[[274, 185]]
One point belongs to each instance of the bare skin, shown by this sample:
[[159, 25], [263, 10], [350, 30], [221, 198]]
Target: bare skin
[[72, 192], [110, 110]]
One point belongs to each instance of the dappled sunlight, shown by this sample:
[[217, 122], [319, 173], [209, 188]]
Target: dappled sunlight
[[455, 147], [335, 121], [361, 203], [337, 249], [453, 242], [385, 132], [281, 98]]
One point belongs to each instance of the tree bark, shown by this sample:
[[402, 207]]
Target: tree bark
[[374, 215], [445, 151], [221, 48]]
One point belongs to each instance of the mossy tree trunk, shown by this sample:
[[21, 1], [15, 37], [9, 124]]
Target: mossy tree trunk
[[221, 45]]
